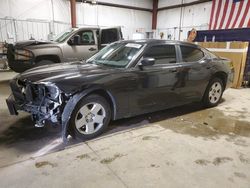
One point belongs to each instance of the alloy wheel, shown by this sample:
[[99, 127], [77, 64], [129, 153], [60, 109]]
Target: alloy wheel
[[215, 92], [90, 118]]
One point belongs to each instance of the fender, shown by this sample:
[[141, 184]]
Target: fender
[[72, 102]]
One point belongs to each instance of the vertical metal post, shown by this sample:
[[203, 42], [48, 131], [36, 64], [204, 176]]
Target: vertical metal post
[[180, 20], [73, 12], [97, 23], [1, 28], [154, 15], [53, 18], [22, 29], [27, 24], [50, 28], [174, 32], [6, 30], [57, 26], [15, 29], [32, 28], [37, 32]]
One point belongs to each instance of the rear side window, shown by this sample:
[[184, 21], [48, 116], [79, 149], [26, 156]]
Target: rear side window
[[190, 54], [163, 54]]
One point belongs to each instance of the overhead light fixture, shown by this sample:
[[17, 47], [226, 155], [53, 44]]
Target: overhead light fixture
[[93, 2]]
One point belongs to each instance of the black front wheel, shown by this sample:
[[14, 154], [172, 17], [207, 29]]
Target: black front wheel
[[90, 117]]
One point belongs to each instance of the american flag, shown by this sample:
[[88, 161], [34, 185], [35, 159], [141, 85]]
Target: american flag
[[229, 14]]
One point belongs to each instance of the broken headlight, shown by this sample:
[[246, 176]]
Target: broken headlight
[[23, 55], [51, 91], [38, 91]]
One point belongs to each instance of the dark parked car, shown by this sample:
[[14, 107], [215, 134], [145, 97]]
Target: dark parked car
[[124, 79]]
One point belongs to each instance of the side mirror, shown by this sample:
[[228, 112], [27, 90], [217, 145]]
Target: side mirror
[[75, 40], [147, 62]]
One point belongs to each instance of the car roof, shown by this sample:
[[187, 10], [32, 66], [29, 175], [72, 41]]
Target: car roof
[[158, 41], [95, 27]]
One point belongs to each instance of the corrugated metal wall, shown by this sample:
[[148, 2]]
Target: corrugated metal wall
[[39, 18], [194, 16]]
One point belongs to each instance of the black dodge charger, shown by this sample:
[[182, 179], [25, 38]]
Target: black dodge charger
[[124, 79]]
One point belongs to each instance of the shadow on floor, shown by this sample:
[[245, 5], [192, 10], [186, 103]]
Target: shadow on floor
[[24, 130], [154, 117], [21, 132]]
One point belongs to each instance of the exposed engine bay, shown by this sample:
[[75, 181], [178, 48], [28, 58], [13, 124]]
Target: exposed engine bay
[[43, 100]]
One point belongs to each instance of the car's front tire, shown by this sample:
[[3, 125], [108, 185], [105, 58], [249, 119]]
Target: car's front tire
[[90, 117], [213, 93]]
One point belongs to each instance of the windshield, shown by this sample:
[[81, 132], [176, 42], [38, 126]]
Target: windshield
[[116, 54], [63, 36]]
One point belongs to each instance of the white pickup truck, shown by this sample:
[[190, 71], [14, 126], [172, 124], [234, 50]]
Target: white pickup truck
[[72, 45]]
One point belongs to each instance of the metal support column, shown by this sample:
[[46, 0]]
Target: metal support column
[[73, 12], [180, 23], [154, 15]]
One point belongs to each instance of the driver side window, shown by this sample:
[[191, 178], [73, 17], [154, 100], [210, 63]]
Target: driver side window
[[86, 38], [163, 54]]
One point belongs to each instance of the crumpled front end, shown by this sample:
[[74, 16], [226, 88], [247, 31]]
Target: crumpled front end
[[44, 101]]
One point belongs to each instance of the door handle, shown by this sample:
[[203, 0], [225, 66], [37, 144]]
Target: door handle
[[92, 49]]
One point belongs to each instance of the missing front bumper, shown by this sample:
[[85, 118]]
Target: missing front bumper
[[11, 105]]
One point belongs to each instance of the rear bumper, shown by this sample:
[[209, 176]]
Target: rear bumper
[[230, 79], [11, 105]]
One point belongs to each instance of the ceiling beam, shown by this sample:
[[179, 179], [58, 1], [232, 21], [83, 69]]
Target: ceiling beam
[[114, 5], [184, 5]]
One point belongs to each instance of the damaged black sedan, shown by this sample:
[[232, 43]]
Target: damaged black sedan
[[124, 79]]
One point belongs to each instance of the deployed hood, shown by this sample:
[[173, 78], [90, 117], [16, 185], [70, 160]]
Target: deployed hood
[[28, 43]]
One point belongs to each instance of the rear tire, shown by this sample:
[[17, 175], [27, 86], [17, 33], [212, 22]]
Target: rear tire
[[213, 93], [90, 117]]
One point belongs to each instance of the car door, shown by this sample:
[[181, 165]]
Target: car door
[[84, 48], [109, 35], [193, 73], [154, 84]]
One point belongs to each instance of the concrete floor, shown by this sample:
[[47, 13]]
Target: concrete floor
[[182, 147]]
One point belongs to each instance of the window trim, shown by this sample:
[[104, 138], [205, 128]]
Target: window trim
[[181, 57], [165, 44]]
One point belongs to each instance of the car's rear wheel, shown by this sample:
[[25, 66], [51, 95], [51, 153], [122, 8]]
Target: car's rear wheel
[[90, 117], [213, 93]]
